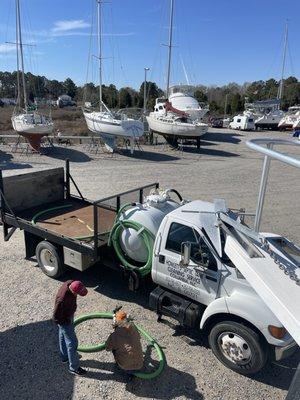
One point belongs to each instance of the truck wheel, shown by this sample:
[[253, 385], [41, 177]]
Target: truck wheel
[[49, 259], [238, 347]]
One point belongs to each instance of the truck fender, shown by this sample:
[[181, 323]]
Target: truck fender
[[247, 307], [217, 306], [252, 309]]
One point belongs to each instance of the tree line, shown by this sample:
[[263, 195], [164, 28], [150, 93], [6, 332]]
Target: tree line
[[232, 94]]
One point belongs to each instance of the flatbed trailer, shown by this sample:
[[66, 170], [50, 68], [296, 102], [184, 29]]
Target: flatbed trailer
[[77, 229]]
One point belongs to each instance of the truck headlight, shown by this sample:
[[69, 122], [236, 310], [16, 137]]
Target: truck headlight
[[277, 332]]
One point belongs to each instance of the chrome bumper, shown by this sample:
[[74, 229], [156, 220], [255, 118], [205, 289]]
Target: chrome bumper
[[285, 351]]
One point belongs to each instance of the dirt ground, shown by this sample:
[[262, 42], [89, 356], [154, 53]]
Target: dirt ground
[[30, 367]]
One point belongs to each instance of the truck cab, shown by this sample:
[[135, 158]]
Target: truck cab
[[201, 287]]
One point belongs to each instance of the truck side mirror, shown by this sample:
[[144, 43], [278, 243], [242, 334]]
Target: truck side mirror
[[185, 254]]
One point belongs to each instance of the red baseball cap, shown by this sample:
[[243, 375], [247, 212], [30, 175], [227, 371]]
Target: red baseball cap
[[78, 288]]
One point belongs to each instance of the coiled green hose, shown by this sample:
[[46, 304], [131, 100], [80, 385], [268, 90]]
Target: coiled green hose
[[101, 346], [36, 216], [146, 235]]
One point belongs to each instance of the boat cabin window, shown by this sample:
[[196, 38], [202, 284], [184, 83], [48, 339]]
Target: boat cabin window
[[161, 107], [250, 119], [238, 120], [200, 252]]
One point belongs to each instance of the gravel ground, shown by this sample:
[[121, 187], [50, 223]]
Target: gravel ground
[[30, 366]]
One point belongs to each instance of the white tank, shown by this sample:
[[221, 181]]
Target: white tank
[[150, 215]]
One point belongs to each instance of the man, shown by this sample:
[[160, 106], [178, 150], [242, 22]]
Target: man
[[125, 343], [63, 316]]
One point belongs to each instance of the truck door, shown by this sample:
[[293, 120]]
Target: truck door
[[198, 280]]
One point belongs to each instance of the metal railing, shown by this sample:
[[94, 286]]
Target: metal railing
[[265, 146]]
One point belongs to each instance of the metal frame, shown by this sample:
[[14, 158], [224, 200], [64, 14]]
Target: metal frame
[[258, 145]]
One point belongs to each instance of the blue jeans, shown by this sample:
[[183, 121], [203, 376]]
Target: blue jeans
[[68, 344]]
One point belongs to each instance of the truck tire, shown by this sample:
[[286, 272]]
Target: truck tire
[[238, 347], [49, 259]]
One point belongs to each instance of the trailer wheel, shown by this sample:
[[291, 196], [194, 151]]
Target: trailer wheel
[[238, 347], [49, 259]]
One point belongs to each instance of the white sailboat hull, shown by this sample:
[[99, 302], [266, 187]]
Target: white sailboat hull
[[109, 126], [29, 124], [177, 129]]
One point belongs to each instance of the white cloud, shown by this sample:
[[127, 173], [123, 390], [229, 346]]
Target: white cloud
[[7, 48], [69, 25]]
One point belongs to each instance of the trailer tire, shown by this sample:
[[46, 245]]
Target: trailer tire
[[238, 347], [49, 259]]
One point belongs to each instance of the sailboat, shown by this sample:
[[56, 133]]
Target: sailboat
[[271, 114], [104, 122], [182, 98], [27, 123], [169, 121]]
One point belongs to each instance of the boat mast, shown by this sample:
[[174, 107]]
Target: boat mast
[[18, 62], [100, 53], [170, 48], [19, 42], [280, 89]]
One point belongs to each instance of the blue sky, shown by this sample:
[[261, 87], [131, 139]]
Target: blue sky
[[217, 41]]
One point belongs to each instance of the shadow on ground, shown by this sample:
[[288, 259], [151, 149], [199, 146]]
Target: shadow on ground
[[110, 284], [208, 151], [148, 156], [171, 384], [223, 137], [62, 153], [6, 162], [30, 366], [280, 373]]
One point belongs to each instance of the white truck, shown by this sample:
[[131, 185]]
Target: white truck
[[211, 270]]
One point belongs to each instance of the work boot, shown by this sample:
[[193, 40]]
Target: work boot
[[80, 371]]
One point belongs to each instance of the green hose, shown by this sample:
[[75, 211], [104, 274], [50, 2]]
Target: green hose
[[36, 216], [146, 235], [101, 346]]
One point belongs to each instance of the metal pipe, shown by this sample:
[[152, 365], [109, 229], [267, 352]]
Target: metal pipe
[[262, 190], [67, 178], [256, 144]]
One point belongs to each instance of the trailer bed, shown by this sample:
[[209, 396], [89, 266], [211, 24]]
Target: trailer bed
[[70, 217]]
